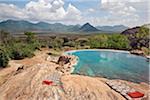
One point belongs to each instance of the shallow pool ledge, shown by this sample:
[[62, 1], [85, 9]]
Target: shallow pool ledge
[[112, 50]]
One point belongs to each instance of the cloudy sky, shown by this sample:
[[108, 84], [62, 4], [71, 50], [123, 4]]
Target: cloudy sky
[[97, 12]]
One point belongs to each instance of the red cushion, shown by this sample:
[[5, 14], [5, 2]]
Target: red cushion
[[47, 82], [135, 94]]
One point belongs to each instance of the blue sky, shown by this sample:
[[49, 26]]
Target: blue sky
[[20, 3], [97, 12]]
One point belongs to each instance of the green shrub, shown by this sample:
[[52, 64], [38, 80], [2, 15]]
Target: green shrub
[[98, 41], [70, 44], [56, 43], [114, 41], [118, 41], [35, 45], [5, 37], [20, 51], [82, 41], [4, 59], [30, 37]]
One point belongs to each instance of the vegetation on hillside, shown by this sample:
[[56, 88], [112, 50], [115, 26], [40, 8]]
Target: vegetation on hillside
[[139, 39], [114, 41], [17, 49]]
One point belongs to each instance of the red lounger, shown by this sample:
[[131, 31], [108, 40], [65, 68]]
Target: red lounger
[[135, 94], [47, 82]]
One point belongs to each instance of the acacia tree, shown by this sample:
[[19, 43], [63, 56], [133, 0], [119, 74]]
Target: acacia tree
[[4, 37], [30, 37]]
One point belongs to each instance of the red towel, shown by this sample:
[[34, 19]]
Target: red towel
[[135, 94], [47, 82]]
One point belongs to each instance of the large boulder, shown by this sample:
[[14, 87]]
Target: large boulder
[[63, 60]]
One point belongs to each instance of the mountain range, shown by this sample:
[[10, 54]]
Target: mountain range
[[21, 26], [115, 28]]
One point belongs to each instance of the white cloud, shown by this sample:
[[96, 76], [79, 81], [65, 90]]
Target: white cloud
[[11, 11], [128, 12], [116, 7], [45, 10], [112, 1], [41, 10], [123, 11], [72, 13]]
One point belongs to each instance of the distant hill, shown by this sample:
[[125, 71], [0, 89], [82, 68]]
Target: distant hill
[[58, 27], [21, 26], [88, 28], [116, 28]]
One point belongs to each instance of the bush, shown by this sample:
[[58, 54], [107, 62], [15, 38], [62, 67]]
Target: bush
[[56, 43], [35, 45], [19, 51], [99, 41], [4, 59], [82, 41], [117, 41], [113, 41], [30, 37], [4, 37], [70, 44]]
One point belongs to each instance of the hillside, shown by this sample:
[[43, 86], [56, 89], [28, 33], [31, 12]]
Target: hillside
[[138, 36], [133, 30]]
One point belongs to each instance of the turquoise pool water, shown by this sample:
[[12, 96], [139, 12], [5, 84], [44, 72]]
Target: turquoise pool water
[[113, 65]]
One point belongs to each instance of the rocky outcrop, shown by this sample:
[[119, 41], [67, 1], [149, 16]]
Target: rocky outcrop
[[133, 30], [67, 63], [28, 84], [137, 52], [63, 60], [52, 58], [138, 37]]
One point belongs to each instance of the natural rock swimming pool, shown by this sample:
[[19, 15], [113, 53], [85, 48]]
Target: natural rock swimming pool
[[112, 64]]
